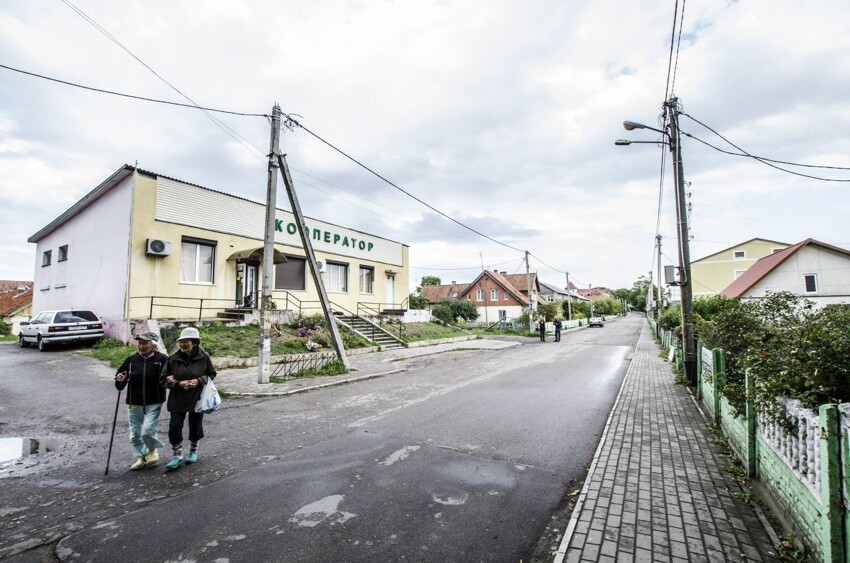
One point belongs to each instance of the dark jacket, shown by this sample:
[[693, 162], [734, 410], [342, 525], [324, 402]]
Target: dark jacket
[[143, 378], [197, 366], [557, 323]]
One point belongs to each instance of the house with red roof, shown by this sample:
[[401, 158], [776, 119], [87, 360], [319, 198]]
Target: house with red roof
[[498, 295], [815, 270], [15, 302]]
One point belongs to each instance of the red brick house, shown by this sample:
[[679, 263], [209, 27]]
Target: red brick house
[[496, 294]]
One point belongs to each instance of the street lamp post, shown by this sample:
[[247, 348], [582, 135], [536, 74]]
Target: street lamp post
[[674, 142]]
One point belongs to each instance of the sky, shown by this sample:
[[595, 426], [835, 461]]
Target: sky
[[500, 114]]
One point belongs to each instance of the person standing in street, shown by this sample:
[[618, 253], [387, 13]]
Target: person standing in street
[[140, 374], [184, 375], [557, 323], [541, 326]]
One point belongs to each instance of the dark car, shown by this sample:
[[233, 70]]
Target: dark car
[[596, 321], [58, 327]]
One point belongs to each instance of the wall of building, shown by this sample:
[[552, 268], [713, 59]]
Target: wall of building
[[94, 276], [170, 210], [488, 308], [712, 274], [831, 268]]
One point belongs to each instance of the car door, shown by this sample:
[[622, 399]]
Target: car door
[[30, 331]]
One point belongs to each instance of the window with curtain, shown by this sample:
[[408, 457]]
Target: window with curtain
[[367, 280], [197, 262], [336, 278]]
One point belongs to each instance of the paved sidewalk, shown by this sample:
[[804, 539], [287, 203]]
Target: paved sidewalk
[[656, 490], [243, 381]]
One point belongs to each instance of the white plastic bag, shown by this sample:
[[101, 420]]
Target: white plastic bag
[[210, 399]]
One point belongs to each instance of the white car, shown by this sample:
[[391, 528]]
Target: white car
[[57, 327], [596, 321]]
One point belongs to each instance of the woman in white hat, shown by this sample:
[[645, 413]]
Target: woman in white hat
[[184, 375]]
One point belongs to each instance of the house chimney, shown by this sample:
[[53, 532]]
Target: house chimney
[[454, 282]]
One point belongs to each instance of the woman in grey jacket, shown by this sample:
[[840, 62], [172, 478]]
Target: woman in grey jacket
[[184, 375]]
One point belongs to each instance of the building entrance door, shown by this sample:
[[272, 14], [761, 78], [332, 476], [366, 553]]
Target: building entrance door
[[390, 291], [246, 285]]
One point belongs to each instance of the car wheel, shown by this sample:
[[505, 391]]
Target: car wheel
[[42, 346], [21, 342]]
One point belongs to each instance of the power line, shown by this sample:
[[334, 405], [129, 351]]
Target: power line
[[678, 43], [142, 98], [765, 161]]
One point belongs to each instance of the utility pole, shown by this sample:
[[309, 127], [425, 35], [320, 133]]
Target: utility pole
[[658, 291], [268, 251], [569, 300], [688, 343], [528, 288], [590, 295], [311, 260], [486, 297]]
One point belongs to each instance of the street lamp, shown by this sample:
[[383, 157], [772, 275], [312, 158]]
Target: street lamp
[[674, 142]]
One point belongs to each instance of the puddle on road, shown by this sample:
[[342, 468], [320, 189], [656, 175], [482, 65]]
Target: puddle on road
[[17, 448]]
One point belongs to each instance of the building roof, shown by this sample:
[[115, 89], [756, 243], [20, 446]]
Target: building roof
[[117, 177], [14, 296], [519, 281], [739, 245], [504, 282], [436, 293], [763, 267]]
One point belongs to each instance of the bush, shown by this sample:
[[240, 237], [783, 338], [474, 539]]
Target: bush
[[443, 312], [461, 309], [5, 329]]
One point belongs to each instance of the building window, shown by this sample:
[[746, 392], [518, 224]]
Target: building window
[[336, 279], [197, 261], [291, 274], [811, 281], [494, 294], [46, 258], [739, 254], [506, 296], [367, 280], [479, 295], [739, 273], [775, 250], [503, 315], [63, 253]]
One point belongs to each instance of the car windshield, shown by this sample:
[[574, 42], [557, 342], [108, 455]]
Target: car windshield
[[74, 317]]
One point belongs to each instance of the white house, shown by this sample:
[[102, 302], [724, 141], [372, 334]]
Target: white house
[[815, 270]]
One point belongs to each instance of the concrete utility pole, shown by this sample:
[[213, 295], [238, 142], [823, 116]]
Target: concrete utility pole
[[590, 295], [311, 260], [688, 343], [569, 300], [268, 251], [528, 288], [658, 292]]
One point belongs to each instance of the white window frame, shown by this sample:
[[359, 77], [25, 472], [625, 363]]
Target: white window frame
[[494, 295], [506, 295], [479, 295], [336, 278], [199, 263], [368, 279], [736, 257], [737, 274], [805, 284]]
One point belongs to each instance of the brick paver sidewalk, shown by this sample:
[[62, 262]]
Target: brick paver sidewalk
[[656, 490]]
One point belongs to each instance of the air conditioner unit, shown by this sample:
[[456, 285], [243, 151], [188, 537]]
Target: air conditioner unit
[[158, 247], [320, 266]]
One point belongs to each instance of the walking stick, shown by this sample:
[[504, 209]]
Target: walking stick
[[112, 437]]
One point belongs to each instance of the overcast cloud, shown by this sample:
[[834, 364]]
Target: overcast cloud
[[501, 114]]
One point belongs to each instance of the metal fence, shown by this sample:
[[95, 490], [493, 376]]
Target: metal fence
[[290, 366]]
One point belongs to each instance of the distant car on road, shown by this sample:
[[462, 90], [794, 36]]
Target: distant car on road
[[49, 328], [596, 321]]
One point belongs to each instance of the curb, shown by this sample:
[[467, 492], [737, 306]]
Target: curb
[[313, 387], [568, 533]]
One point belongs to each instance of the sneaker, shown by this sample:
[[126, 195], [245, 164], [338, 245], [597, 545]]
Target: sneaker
[[140, 463], [192, 457], [152, 457], [175, 462]]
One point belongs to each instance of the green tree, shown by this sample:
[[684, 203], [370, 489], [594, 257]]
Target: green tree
[[431, 280]]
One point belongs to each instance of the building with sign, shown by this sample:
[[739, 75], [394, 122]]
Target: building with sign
[[145, 246]]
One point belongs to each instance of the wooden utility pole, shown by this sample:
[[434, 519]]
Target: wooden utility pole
[[268, 251], [528, 288], [311, 260], [658, 292], [569, 300]]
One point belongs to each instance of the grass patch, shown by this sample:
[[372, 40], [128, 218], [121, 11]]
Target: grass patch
[[111, 351], [8, 338]]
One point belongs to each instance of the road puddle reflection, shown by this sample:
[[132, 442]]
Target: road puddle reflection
[[17, 448]]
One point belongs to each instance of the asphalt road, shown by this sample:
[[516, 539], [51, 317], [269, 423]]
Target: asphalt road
[[466, 456]]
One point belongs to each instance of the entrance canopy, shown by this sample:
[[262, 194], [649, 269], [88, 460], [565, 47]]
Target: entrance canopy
[[256, 255]]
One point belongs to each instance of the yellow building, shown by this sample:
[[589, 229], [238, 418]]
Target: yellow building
[[710, 275], [145, 246]]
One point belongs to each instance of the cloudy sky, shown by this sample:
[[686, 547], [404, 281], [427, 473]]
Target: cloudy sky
[[500, 114]]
